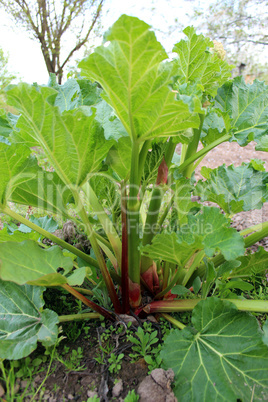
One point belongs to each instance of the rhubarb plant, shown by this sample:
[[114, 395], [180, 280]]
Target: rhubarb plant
[[110, 139]]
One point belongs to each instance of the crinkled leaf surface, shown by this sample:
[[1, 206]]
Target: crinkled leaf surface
[[191, 94], [207, 230], [74, 93], [68, 94], [17, 235], [213, 228], [251, 264], [24, 182], [106, 190], [90, 93], [113, 128], [45, 191], [198, 63], [45, 222], [135, 81], [27, 262], [216, 125], [235, 189], [14, 168], [5, 127], [118, 157], [183, 191], [247, 106], [262, 143], [23, 322], [153, 159], [73, 142], [170, 247], [220, 358]]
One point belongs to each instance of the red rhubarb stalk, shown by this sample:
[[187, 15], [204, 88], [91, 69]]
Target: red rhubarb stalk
[[89, 303]]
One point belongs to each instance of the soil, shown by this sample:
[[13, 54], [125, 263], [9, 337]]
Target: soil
[[94, 378]]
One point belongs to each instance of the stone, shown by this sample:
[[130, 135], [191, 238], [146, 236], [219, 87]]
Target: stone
[[2, 391], [24, 384], [91, 394], [157, 387], [117, 389]]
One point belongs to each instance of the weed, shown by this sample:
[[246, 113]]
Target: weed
[[93, 399], [115, 363], [153, 362], [71, 362], [132, 397], [142, 343], [11, 385]]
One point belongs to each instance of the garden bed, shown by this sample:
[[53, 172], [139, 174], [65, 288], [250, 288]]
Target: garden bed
[[67, 381]]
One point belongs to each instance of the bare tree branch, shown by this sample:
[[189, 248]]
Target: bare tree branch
[[82, 42], [49, 21]]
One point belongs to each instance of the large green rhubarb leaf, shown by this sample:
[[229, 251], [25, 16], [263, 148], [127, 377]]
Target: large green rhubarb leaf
[[45, 191], [5, 127], [68, 96], [220, 358], [152, 161], [252, 264], [113, 128], [135, 82], [118, 157], [184, 204], [207, 230], [247, 106], [235, 189], [89, 93], [216, 125], [45, 222], [26, 262], [73, 141], [198, 62], [18, 236], [23, 321], [24, 182], [15, 169], [172, 248]]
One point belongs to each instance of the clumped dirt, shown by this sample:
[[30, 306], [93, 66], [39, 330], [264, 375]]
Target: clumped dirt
[[159, 385]]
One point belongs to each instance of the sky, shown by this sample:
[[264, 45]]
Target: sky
[[25, 57]]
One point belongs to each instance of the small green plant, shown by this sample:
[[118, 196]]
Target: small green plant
[[8, 375], [153, 361], [93, 399], [24, 369], [132, 397], [27, 368], [142, 343], [115, 363], [71, 362]]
